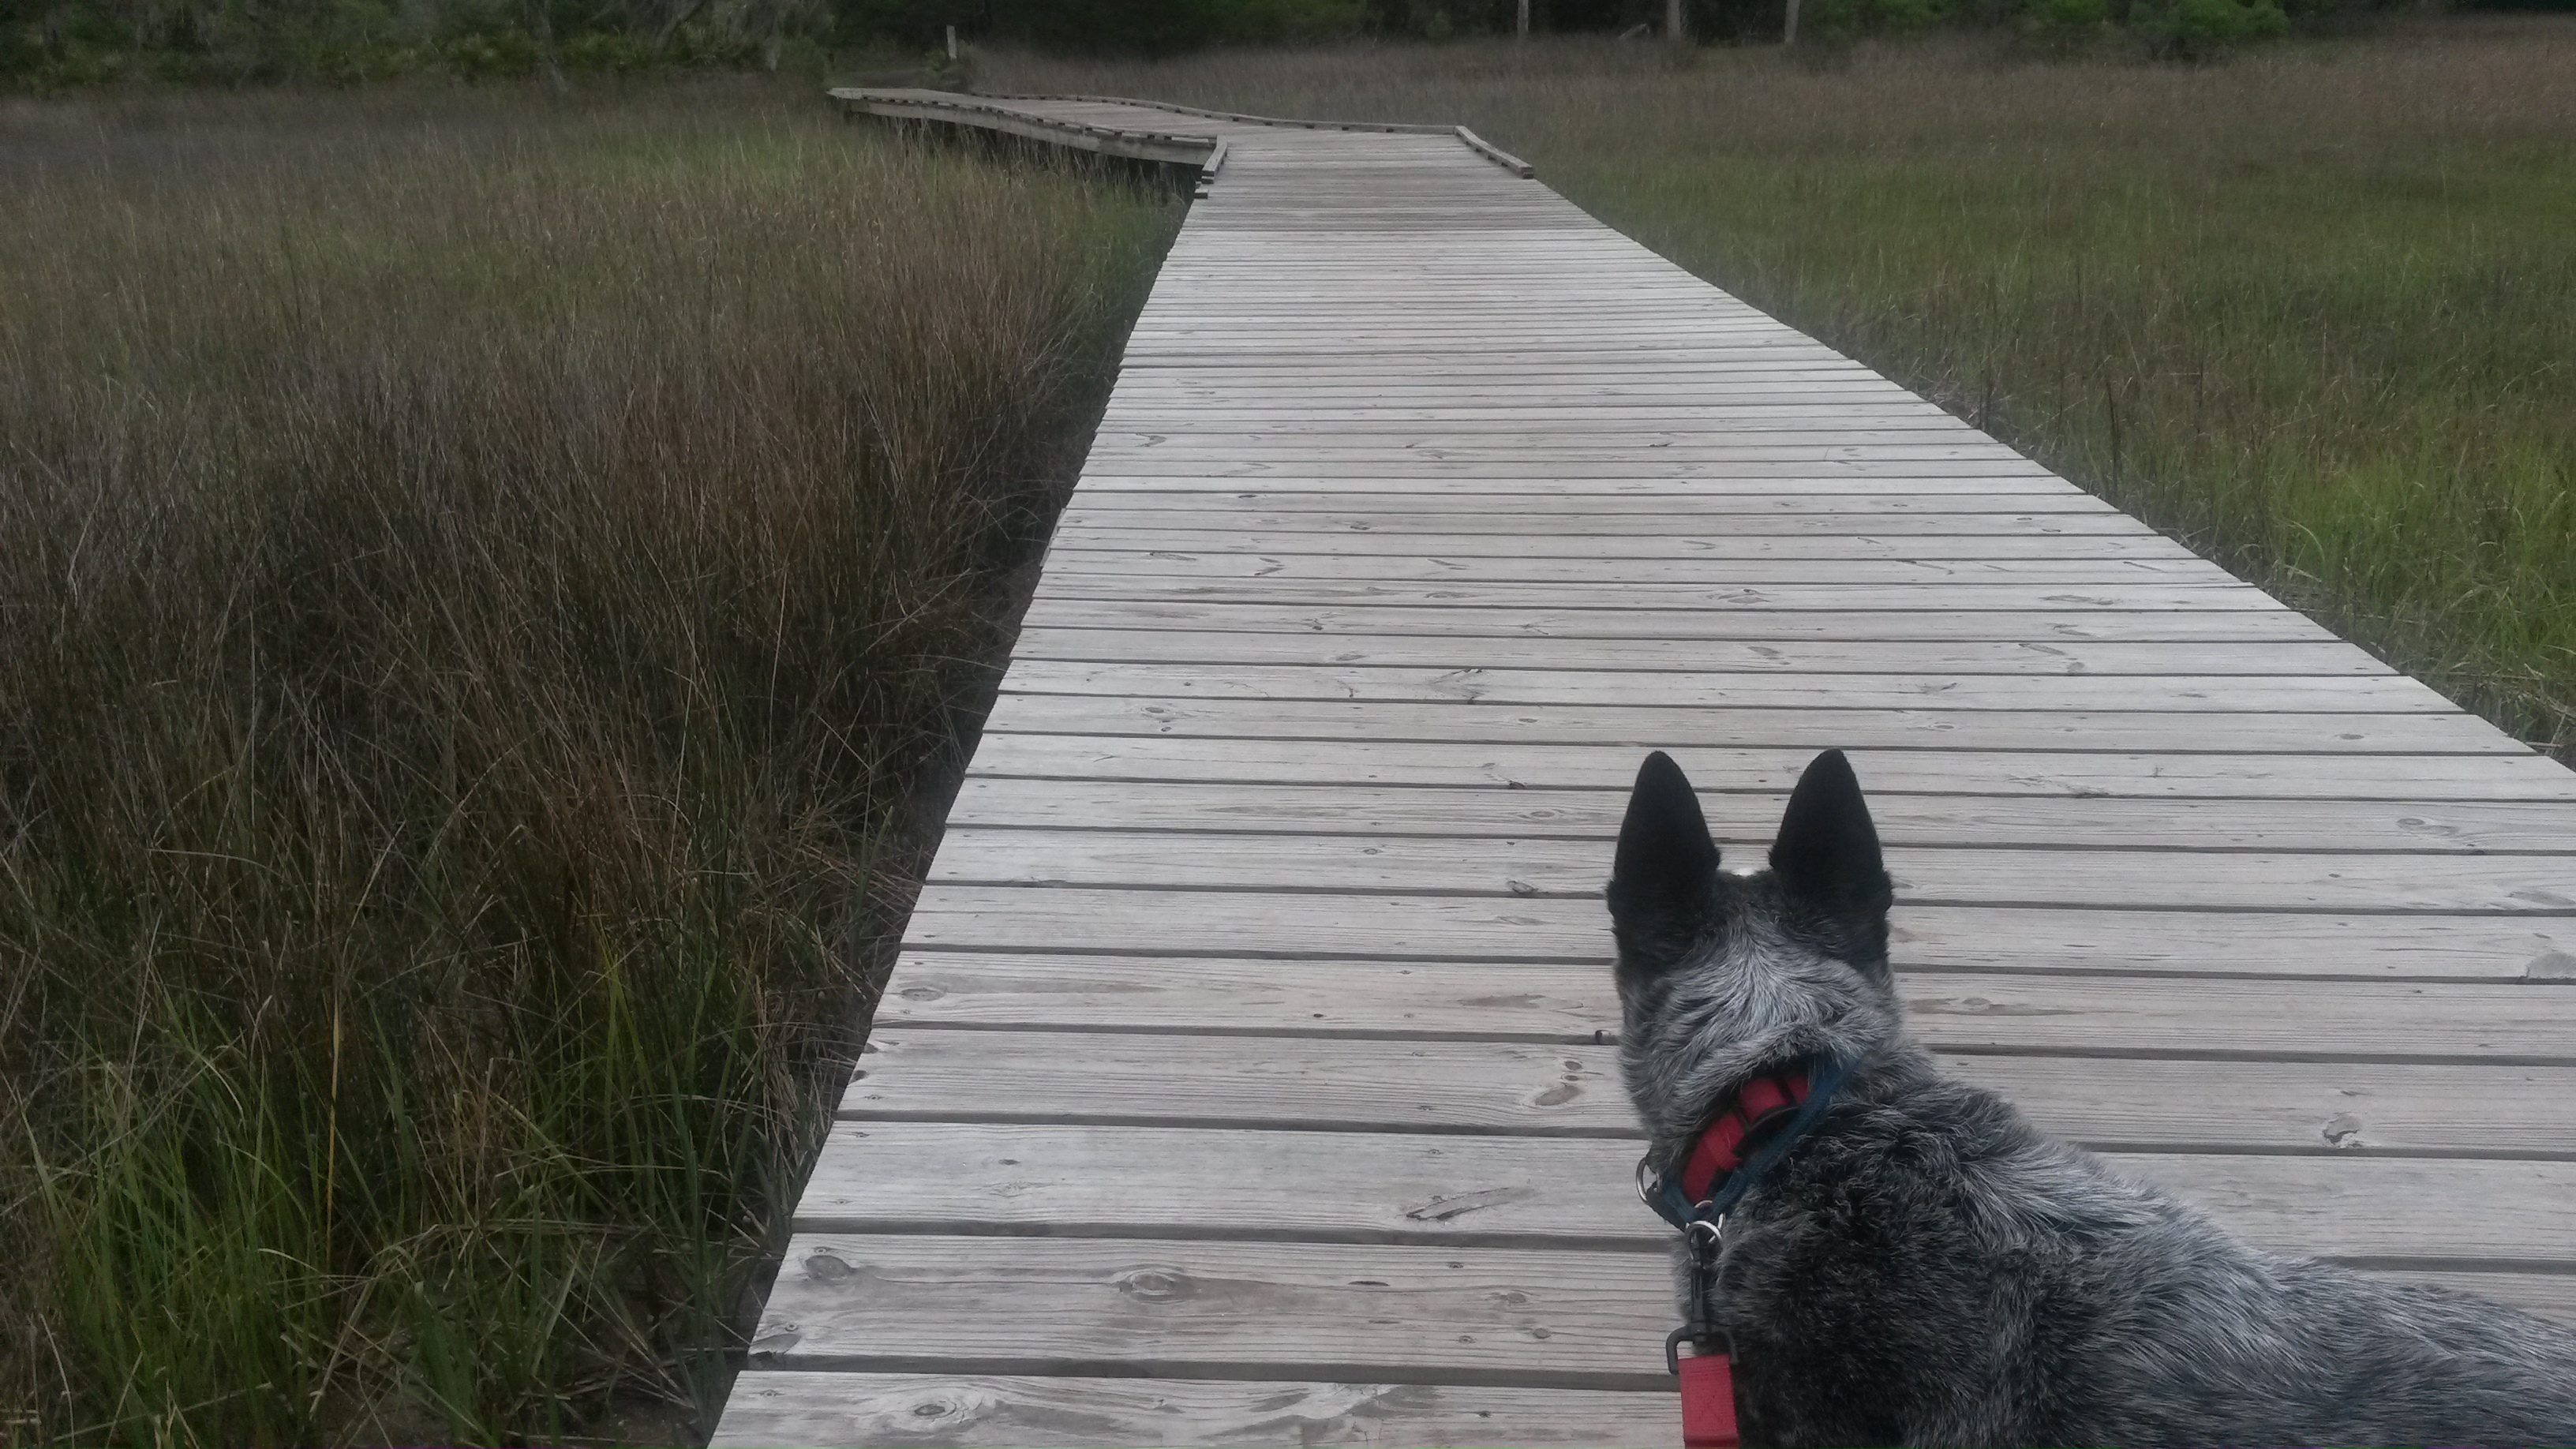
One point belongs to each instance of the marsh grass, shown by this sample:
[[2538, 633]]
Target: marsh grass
[[2312, 309], [478, 577]]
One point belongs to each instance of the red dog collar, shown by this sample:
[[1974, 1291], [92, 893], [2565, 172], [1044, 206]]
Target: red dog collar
[[1762, 1104]]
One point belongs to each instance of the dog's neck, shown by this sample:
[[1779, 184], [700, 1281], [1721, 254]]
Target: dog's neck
[[1876, 1074]]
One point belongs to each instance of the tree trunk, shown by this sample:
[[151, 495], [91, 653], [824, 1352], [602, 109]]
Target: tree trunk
[[542, 13], [1676, 26], [681, 14]]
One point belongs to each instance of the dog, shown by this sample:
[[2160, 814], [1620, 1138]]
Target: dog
[[1921, 1265]]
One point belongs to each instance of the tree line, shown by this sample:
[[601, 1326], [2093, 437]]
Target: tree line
[[53, 44]]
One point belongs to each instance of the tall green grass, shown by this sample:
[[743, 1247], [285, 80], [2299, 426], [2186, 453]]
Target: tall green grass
[[2312, 309], [479, 576]]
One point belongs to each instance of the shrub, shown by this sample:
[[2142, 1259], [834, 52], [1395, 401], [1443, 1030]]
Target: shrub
[[2062, 25], [2197, 29], [710, 47], [607, 53], [1266, 22], [1842, 20], [498, 55]]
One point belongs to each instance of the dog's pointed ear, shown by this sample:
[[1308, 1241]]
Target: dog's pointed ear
[[1827, 853], [1663, 882]]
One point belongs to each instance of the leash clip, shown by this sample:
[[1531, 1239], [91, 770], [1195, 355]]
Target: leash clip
[[1705, 1342]]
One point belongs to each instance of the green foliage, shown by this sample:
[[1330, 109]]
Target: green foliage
[[1272, 22], [710, 47], [607, 53], [1126, 27], [2063, 24], [490, 55], [2193, 29], [1841, 20]]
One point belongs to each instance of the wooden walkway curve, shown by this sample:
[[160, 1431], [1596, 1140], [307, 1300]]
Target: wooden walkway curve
[[1248, 1075]]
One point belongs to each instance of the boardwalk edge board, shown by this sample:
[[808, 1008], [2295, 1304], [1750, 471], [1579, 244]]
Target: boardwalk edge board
[[1249, 1072]]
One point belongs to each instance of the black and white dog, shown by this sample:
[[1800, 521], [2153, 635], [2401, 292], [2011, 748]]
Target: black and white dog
[[1922, 1266]]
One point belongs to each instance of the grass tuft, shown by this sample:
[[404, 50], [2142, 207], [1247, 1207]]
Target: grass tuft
[[479, 575]]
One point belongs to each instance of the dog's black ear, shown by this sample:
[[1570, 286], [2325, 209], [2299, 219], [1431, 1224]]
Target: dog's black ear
[[1827, 854], [1663, 882]]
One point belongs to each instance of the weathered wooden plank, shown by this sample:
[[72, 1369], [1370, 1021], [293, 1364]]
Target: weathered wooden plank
[[1323, 473], [1599, 448], [1949, 840], [1557, 534], [1024, 1411], [1174, 567], [1353, 1187], [1668, 727], [2426, 946], [1723, 600], [1206, 387], [1711, 689], [1524, 494], [1532, 1089], [1572, 1192], [1213, 430], [2073, 773], [1133, 526], [1534, 1317], [1540, 1002], [1296, 411], [1675, 627], [1431, 356], [1398, 456], [2058, 654], [1549, 1005], [2135, 543], [1336, 513]]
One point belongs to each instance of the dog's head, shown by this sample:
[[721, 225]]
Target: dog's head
[[1723, 977]]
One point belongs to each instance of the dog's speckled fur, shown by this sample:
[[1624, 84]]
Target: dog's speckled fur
[[1928, 1268]]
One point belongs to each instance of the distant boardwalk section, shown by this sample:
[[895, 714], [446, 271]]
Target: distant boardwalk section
[[1249, 1074]]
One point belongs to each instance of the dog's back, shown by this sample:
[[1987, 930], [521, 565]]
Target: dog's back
[[1931, 1269], [1925, 1267]]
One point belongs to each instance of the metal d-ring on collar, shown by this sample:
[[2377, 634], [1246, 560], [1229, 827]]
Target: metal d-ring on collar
[[1704, 1215]]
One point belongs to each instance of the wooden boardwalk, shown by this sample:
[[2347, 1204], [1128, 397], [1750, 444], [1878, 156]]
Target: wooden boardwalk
[[1248, 1075]]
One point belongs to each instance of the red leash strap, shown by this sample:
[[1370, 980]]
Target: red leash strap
[[1708, 1402]]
